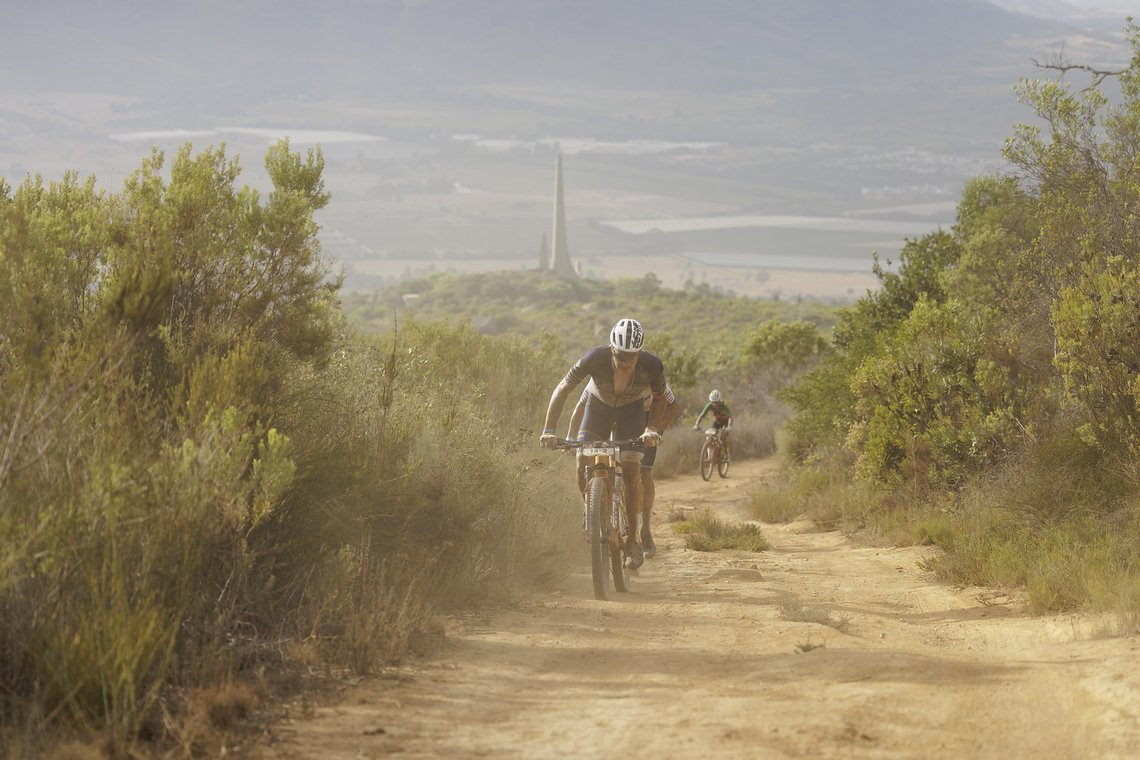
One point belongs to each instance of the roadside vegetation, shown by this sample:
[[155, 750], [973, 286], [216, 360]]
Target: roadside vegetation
[[986, 398], [705, 532], [213, 481], [208, 481], [698, 329], [747, 348]]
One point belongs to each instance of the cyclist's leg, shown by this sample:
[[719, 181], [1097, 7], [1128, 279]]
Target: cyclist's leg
[[648, 491], [630, 424], [721, 426]]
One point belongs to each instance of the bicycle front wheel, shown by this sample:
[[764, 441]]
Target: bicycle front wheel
[[707, 453], [598, 530]]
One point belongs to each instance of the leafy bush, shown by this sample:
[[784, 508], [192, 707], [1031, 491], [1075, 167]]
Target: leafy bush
[[198, 460], [990, 387], [697, 328], [1098, 353], [786, 345]]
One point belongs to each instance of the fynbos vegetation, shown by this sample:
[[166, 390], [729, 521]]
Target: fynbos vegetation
[[202, 470], [995, 378], [697, 330]]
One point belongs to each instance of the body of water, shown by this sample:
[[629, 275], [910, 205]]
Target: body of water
[[905, 228], [838, 264]]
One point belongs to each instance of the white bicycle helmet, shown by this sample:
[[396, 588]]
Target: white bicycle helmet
[[714, 396], [627, 336]]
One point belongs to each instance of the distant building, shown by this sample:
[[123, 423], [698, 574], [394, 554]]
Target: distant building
[[543, 253], [560, 263]]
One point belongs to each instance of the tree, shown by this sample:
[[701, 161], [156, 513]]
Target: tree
[[790, 346]]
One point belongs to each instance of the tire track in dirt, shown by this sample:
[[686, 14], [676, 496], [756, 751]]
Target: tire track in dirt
[[817, 648]]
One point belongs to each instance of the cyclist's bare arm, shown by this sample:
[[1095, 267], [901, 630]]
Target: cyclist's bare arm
[[576, 417], [662, 412], [557, 401], [702, 415]]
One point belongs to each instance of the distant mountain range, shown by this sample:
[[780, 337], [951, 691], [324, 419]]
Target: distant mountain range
[[352, 47], [1071, 13], [440, 118]]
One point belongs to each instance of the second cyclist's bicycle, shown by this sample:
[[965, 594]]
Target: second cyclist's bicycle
[[713, 454]]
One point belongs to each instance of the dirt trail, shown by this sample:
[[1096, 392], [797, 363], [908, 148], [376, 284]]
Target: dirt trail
[[717, 656]]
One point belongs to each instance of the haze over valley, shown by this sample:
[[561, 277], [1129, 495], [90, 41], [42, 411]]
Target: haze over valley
[[767, 147]]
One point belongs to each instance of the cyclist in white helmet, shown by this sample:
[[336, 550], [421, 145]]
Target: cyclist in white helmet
[[722, 418], [624, 377]]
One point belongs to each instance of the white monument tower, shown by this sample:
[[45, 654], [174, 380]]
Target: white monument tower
[[560, 263]]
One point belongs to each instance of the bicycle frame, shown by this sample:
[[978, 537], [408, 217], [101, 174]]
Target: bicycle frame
[[603, 460]]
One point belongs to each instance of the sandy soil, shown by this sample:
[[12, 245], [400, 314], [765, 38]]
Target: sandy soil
[[817, 648]]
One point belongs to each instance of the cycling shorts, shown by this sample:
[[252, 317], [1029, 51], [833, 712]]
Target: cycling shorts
[[599, 417]]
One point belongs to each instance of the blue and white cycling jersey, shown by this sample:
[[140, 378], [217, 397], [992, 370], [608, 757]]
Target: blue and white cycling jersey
[[648, 378]]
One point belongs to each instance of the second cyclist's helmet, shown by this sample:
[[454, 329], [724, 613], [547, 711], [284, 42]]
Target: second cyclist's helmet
[[627, 335], [714, 396]]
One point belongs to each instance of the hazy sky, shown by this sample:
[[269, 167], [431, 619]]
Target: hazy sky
[[439, 144], [1130, 7]]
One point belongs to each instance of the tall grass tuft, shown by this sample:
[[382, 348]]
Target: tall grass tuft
[[705, 532], [1046, 522], [825, 494]]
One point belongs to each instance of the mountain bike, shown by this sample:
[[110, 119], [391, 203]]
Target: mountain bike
[[712, 454], [604, 519]]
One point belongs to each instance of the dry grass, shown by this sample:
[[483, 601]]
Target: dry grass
[[209, 717], [795, 611], [832, 500], [706, 533]]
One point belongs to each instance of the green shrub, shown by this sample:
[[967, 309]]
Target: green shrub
[[707, 533], [787, 345], [197, 460], [1098, 353]]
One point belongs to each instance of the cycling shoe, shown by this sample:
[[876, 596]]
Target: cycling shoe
[[634, 556], [648, 544]]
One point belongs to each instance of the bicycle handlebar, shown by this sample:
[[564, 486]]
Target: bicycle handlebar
[[564, 443]]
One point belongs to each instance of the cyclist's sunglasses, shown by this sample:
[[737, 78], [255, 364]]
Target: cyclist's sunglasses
[[624, 357]]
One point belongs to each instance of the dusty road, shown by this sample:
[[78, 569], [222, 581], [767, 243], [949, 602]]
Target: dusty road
[[817, 648]]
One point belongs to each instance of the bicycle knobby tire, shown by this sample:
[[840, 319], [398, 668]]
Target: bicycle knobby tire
[[707, 462], [598, 529], [617, 556]]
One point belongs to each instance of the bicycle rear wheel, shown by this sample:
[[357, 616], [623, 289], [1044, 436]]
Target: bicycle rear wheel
[[722, 462], [707, 452], [598, 530]]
